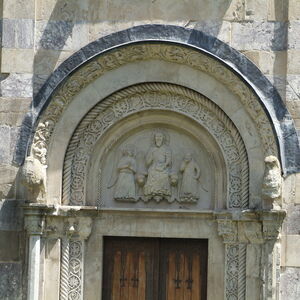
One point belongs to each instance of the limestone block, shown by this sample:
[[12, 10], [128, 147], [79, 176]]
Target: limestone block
[[294, 10], [289, 189], [219, 29], [256, 10], [12, 111], [259, 36], [56, 35], [17, 86], [293, 34], [9, 246], [293, 87], [280, 83], [18, 33], [10, 215], [293, 64], [194, 10], [269, 62], [22, 61], [292, 220], [8, 174], [277, 10], [37, 82], [291, 250], [294, 108], [289, 284], [18, 9], [46, 60], [63, 10], [297, 199], [10, 281], [5, 150], [235, 10]]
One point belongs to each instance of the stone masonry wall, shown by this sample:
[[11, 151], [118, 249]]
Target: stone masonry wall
[[38, 35]]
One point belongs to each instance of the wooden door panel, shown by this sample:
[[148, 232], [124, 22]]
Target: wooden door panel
[[130, 269], [154, 269], [183, 269]]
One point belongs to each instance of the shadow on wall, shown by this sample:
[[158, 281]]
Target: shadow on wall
[[73, 24]]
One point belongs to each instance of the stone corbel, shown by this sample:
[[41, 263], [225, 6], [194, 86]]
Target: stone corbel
[[272, 221]]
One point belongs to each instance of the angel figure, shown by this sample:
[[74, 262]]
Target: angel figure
[[125, 189], [189, 191]]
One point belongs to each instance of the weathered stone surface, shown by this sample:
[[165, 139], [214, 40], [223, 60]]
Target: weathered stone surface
[[278, 10], [293, 34], [256, 10], [259, 36], [289, 284], [18, 9], [10, 215], [293, 88], [63, 10], [9, 246], [56, 35], [22, 62], [5, 147], [269, 62], [12, 110], [17, 85], [10, 281], [292, 221], [17, 33], [293, 63], [294, 10]]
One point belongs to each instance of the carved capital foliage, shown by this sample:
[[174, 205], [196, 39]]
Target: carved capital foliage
[[253, 228], [78, 228], [35, 224], [228, 230]]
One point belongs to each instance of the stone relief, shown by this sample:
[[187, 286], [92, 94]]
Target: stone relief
[[33, 178], [170, 53], [272, 182], [189, 191], [156, 175], [125, 189], [155, 97], [158, 162]]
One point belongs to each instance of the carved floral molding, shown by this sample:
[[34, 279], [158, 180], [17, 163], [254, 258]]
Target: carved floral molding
[[155, 96], [134, 53]]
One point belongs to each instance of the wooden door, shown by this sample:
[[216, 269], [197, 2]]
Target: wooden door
[[183, 268], [154, 269]]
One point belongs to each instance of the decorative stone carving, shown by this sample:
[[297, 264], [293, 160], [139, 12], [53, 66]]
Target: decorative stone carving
[[125, 189], [228, 230], [253, 232], [169, 98], [33, 177], [158, 161], [189, 190], [272, 182], [132, 53]]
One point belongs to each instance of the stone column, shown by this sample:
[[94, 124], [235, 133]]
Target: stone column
[[271, 221], [235, 260], [34, 226], [77, 230]]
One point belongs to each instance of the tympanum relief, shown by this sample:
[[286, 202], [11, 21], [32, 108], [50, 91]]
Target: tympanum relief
[[156, 165]]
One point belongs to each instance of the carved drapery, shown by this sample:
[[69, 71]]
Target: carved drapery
[[155, 96], [134, 53]]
